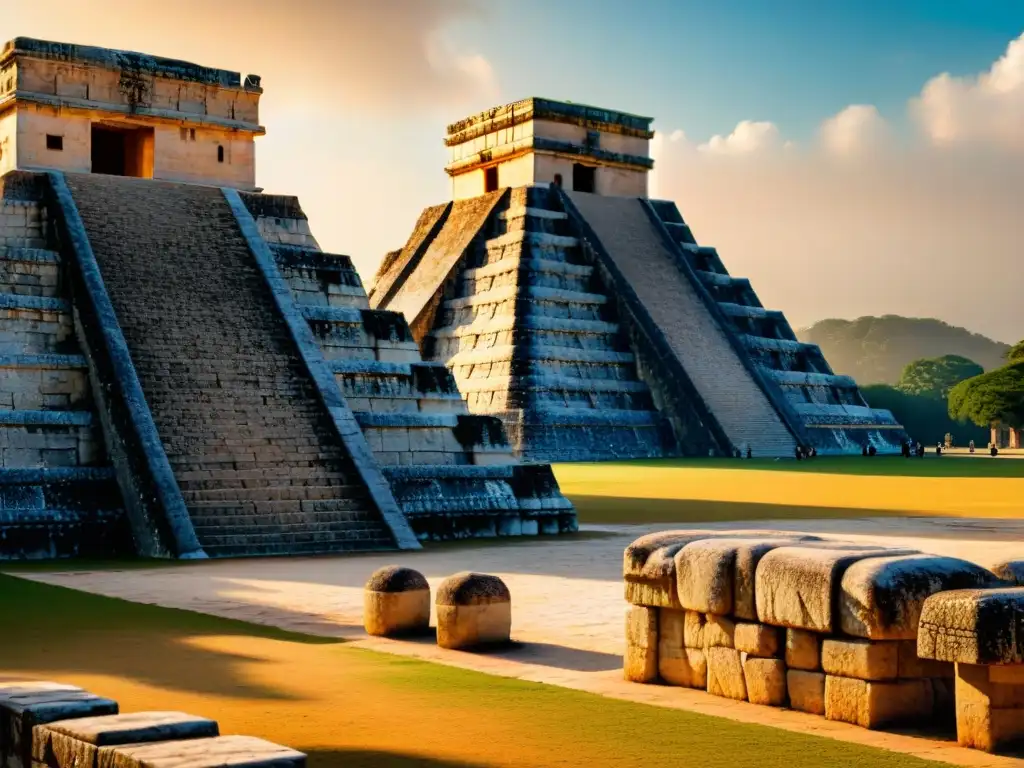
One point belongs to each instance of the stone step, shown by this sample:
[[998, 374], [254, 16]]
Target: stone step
[[537, 294], [528, 265], [22, 224], [227, 508], [29, 271], [37, 439], [742, 310], [522, 211], [35, 324], [540, 352], [272, 493], [539, 381], [540, 240], [801, 379], [43, 382], [505, 323], [318, 278]]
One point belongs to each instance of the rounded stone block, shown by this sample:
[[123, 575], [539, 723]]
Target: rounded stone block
[[396, 601], [973, 626], [1010, 571], [806, 691], [881, 598], [474, 609], [765, 680], [797, 586]]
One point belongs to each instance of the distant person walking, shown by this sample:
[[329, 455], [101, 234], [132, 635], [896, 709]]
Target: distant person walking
[[970, 446]]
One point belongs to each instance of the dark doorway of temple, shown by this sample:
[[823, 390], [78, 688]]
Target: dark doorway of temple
[[583, 178], [491, 179], [122, 151]]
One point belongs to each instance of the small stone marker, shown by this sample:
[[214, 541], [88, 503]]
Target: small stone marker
[[77, 743], [396, 601], [474, 609], [24, 705], [219, 752]]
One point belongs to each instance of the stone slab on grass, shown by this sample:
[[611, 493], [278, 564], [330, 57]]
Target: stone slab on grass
[[76, 743], [21, 711], [874, 704], [219, 752]]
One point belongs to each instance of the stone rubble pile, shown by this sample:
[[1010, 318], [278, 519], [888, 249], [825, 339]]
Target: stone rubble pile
[[54, 725], [863, 634]]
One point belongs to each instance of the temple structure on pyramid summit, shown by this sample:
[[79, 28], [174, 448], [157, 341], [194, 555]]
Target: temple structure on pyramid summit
[[185, 373], [586, 316]]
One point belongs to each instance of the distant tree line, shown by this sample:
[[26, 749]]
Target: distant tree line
[[994, 396]]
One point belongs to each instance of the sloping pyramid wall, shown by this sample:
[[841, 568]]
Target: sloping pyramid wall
[[580, 320], [453, 473]]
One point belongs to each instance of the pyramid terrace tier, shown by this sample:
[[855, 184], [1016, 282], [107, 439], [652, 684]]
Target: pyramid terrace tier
[[453, 474]]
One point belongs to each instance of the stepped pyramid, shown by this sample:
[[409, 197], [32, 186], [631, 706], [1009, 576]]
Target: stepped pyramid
[[186, 373], [586, 316]]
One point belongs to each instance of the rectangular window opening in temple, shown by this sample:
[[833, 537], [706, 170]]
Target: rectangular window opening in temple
[[220, 154], [55, 143], [118, 151], [491, 179], [583, 178]]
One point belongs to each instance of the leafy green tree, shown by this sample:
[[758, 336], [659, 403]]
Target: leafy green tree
[[994, 396], [934, 377], [925, 418], [1016, 353]]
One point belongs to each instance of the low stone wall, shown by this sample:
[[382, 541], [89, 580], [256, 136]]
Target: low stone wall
[[825, 627], [55, 725]]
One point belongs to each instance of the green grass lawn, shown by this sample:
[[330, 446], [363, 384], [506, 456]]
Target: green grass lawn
[[348, 707]]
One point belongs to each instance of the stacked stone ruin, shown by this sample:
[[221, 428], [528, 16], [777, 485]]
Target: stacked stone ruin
[[187, 374], [590, 320], [863, 634], [56, 725]]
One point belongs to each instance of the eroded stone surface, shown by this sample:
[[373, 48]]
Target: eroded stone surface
[[806, 691], [973, 626], [758, 639], [219, 752], [396, 601], [989, 705], [75, 743], [881, 598], [765, 680], [803, 650], [874, 704], [640, 662], [862, 659], [795, 586], [911, 665], [725, 673], [719, 631]]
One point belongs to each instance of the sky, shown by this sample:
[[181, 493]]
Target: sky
[[851, 158]]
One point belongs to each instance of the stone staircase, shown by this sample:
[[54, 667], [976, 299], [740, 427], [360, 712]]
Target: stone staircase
[[532, 335], [238, 415], [633, 246], [58, 496], [834, 414], [452, 473]]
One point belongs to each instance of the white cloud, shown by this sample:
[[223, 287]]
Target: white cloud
[[748, 137], [988, 108], [855, 130]]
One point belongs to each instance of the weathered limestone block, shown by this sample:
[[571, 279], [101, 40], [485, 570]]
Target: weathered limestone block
[[765, 680], [76, 743], [396, 601], [1011, 571], [677, 664], [861, 659], [640, 664], [973, 626], [648, 564], [989, 705], [881, 598], [796, 586], [725, 673], [874, 704], [25, 705], [758, 639], [911, 665], [806, 691], [694, 629], [218, 752], [803, 650], [473, 609], [719, 632]]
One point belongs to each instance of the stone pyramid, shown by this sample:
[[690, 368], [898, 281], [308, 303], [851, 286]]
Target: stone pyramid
[[590, 321]]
